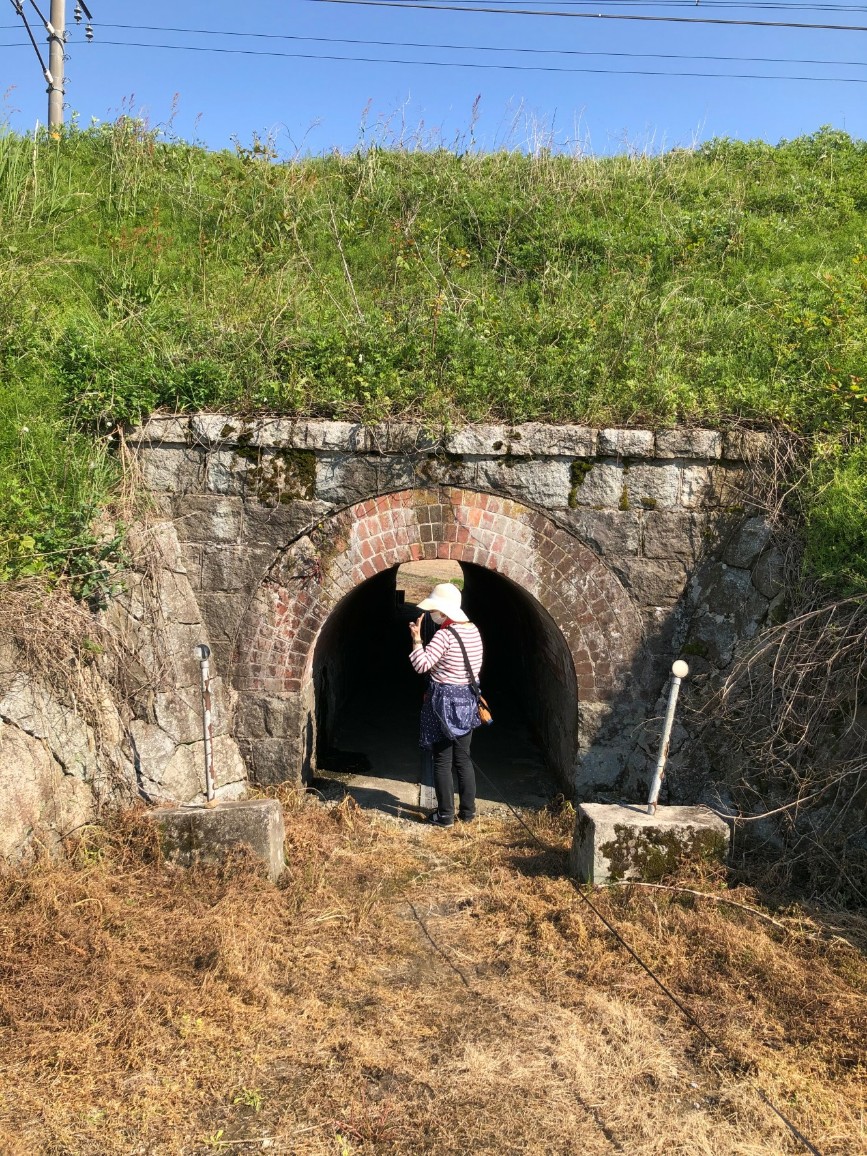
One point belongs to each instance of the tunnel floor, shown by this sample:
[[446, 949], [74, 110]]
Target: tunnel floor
[[376, 759]]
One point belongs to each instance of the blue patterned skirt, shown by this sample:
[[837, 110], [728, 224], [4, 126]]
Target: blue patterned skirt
[[448, 711]]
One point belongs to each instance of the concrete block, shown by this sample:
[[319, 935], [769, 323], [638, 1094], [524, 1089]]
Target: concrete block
[[621, 841], [207, 834]]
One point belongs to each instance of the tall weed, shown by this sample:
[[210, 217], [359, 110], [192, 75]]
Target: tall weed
[[726, 282]]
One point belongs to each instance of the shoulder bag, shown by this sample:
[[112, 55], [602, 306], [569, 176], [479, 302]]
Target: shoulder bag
[[485, 716]]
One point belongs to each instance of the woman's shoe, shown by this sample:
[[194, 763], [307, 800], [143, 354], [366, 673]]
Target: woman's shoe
[[436, 820]]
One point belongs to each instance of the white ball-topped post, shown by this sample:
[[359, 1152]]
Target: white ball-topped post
[[679, 671]]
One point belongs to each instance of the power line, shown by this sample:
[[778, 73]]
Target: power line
[[474, 65], [488, 47], [428, 7]]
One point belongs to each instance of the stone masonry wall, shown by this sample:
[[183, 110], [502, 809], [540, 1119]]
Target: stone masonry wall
[[637, 544]]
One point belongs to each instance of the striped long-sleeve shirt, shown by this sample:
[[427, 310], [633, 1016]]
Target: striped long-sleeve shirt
[[442, 656]]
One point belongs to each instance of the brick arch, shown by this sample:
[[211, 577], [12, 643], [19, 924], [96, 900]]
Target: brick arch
[[597, 618]]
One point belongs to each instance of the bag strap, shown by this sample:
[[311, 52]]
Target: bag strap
[[473, 682]]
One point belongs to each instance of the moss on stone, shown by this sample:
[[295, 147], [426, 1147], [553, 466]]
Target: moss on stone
[[623, 504], [281, 477], [649, 853], [578, 471], [648, 503]]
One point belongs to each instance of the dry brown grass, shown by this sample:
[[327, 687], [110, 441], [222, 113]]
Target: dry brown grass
[[409, 990]]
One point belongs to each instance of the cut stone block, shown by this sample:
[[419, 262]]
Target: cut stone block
[[207, 834], [621, 841]]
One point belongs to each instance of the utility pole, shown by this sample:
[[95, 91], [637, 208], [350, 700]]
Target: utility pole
[[56, 36], [56, 29]]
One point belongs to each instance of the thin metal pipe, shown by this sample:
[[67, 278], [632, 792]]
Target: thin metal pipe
[[679, 672], [204, 653]]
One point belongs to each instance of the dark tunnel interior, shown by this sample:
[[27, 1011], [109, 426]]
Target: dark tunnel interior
[[368, 696]]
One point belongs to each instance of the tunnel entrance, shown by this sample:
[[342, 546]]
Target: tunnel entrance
[[367, 696], [324, 641]]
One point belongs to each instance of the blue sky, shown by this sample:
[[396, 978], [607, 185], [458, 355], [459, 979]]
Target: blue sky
[[314, 105]]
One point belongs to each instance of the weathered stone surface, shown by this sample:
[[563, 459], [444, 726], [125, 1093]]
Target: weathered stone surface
[[748, 542], [171, 469], [341, 479], [626, 443], [652, 486], [541, 483], [179, 711], [30, 707], [158, 543], [151, 749], [652, 582], [537, 439], [689, 443], [728, 608], [216, 429], [601, 487], [39, 804], [668, 534], [233, 568], [208, 834], [393, 438], [222, 613], [339, 436], [226, 473], [165, 429], [182, 779], [698, 486], [278, 525], [746, 445], [619, 841], [206, 518], [731, 486], [769, 573], [606, 531], [479, 440]]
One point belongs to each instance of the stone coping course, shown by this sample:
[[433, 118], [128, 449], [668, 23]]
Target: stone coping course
[[528, 440]]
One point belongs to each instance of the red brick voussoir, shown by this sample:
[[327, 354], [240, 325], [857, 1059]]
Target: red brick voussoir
[[596, 616]]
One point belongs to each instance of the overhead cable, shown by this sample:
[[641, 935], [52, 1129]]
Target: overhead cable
[[485, 47], [429, 7], [475, 65]]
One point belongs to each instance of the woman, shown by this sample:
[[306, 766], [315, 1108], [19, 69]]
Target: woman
[[450, 711]]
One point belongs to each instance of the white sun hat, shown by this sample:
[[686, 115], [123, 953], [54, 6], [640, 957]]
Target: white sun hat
[[447, 599]]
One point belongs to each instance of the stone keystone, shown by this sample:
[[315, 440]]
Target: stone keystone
[[207, 834], [621, 841]]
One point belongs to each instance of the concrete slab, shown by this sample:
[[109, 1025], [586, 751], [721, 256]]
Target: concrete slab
[[398, 776], [206, 834], [621, 841]]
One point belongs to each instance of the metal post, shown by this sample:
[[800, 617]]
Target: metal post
[[56, 34], [679, 672], [204, 653]]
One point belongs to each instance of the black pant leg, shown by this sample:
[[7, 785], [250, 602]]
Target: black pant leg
[[443, 783], [466, 773]]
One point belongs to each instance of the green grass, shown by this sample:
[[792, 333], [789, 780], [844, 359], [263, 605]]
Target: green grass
[[725, 283]]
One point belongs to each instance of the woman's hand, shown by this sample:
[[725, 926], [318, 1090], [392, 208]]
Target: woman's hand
[[415, 630]]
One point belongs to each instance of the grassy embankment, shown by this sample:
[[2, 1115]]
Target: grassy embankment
[[411, 991], [727, 283]]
